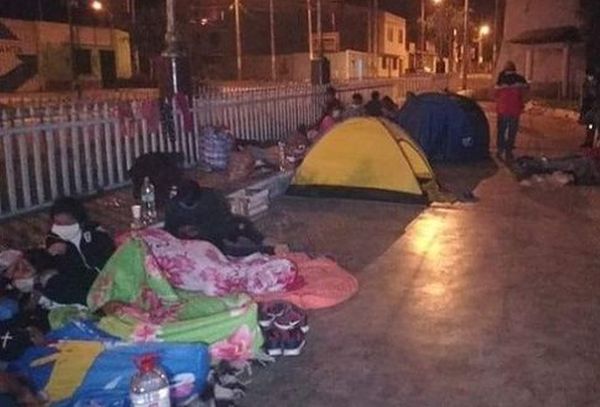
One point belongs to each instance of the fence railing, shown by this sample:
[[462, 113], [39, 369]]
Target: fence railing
[[84, 148]]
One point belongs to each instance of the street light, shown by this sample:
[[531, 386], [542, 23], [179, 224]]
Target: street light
[[97, 5], [484, 31], [423, 42]]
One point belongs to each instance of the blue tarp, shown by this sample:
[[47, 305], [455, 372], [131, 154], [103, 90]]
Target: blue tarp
[[448, 127], [106, 383]]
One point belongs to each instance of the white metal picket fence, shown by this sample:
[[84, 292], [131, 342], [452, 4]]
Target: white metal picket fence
[[85, 148]]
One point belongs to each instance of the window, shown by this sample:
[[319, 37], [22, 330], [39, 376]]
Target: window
[[83, 61], [395, 65], [384, 62], [390, 34], [401, 36]]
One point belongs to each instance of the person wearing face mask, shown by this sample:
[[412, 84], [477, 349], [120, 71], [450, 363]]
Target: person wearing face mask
[[79, 248]]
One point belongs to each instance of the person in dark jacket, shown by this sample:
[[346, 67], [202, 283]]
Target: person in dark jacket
[[374, 107], [79, 249], [197, 213], [589, 102], [510, 101]]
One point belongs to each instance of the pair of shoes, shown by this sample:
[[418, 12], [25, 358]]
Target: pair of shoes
[[285, 326], [283, 315], [284, 343]]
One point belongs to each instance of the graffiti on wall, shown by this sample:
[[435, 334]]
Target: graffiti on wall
[[17, 66]]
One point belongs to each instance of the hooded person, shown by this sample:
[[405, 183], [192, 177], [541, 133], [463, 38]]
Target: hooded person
[[79, 249], [203, 214]]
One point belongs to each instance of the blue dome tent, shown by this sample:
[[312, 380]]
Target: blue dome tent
[[447, 126]]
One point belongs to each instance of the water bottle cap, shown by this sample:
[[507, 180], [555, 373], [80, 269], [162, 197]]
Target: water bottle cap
[[147, 362]]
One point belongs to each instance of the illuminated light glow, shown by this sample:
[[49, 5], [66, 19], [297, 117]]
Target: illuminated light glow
[[97, 5], [485, 30]]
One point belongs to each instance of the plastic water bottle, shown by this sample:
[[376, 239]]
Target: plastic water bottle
[[149, 386], [281, 151], [148, 202]]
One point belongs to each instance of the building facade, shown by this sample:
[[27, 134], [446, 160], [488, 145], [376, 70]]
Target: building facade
[[544, 41], [38, 56]]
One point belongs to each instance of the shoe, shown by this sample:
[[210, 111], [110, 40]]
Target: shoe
[[273, 342], [269, 311], [293, 342], [293, 318]]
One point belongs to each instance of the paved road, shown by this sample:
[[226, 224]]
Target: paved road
[[487, 304]]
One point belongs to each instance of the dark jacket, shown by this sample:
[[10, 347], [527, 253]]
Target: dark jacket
[[78, 268], [510, 94], [374, 108]]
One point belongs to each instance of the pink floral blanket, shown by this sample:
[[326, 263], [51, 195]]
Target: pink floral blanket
[[199, 266]]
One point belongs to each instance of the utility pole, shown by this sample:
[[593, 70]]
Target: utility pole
[[466, 50], [311, 50], [71, 43], [272, 23], [423, 42], [376, 32], [136, 52], [496, 35], [238, 39], [320, 28], [370, 37]]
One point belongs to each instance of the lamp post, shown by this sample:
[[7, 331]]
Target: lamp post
[[238, 39], [423, 40], [484, 31], [272, 25], [465, 47], [175, 75], [70, 4]]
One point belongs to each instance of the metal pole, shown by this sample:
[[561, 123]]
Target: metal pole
[[311, 50], [376, 30], [171, 41], [465, 50], [273, 58], [370, 37], [496, 36], [480, 50], [238, 40], [423, 43], [136, 51], [320, 28], [71, 43]]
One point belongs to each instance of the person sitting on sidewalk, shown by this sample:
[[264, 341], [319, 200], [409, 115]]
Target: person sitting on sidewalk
[[373, 106], [79, 248], [356, 108], [510, 101]]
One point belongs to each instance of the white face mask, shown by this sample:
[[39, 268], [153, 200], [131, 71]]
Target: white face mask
[[67, 232], [25, 285]]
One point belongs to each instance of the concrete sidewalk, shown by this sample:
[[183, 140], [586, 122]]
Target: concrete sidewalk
[[487, 304]]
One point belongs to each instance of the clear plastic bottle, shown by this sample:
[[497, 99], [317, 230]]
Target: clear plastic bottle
[[281, 151], [149, 387], [148, 202]]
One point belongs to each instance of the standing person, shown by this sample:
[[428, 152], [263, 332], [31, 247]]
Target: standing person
[[510, 101], [374, 107], [589, 97], [79, 247]]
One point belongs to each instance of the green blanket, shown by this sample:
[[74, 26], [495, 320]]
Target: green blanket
[[145, 308]]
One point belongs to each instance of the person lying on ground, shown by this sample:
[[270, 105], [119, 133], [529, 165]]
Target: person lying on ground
[[197, 213], [585, 168], [76, 243], [42, 286]]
